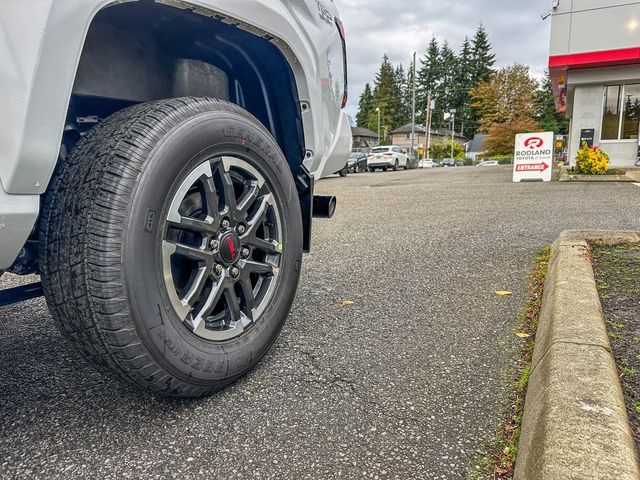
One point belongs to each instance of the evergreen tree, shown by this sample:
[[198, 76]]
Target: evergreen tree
[[482, 61], [408, 93], [429, 77], [482, 56], [404, 96], [365, 107], [386, 97], [445, 91], [463, 79], [548, 119]]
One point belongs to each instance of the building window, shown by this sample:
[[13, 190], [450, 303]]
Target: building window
[[621, 116], [611, 117], [631, 117]]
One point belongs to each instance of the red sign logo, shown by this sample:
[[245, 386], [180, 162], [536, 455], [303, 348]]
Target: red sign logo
[[533, 142]]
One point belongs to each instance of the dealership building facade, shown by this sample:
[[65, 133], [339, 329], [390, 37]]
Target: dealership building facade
[[594, 64]]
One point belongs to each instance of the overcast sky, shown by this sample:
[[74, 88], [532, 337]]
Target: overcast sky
[[398, 27]]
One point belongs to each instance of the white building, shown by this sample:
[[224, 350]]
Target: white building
[[595, 68]]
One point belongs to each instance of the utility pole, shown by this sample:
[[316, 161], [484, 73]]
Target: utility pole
[[413, 108], [428, 125], [378, 110], [453, 128]]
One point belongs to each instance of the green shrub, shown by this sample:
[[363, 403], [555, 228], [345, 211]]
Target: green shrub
[[440, 149]]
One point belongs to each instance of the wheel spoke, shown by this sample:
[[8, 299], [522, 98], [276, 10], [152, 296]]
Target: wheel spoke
[[194, 293], [186, 251], [247, 294], [194, 225], [249, 198], [267, 246], [233, 305], [261, 268], [228, 191], [211, 198], [195, 323], [259, 216]]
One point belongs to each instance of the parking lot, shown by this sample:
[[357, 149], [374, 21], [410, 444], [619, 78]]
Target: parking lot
[[405, 382]]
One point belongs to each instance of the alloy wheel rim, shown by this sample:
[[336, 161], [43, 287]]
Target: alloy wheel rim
[[221, 248]]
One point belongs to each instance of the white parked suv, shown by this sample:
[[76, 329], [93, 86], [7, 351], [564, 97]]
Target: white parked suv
[[387, 157], [426, 163], [157, 165]]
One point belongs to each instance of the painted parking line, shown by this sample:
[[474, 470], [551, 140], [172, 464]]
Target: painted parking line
[[637, 184]]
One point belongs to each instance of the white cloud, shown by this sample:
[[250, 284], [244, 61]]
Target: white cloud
[[398, 27]]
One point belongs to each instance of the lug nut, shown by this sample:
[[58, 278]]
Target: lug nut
[[241, 229], [219, 269], [225, 223], [245, 252], [235, 271], [214, 244]]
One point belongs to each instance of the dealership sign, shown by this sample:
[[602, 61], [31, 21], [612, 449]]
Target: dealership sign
[[533, 159]]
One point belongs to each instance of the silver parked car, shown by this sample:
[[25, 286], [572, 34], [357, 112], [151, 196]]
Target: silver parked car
[[157, 170]]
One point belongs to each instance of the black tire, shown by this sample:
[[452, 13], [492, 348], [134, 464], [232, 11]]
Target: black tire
[[396, 165], [104, 213], [344, 172], [371, 170]]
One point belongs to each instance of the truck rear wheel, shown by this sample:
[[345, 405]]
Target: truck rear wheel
[[171, 245]]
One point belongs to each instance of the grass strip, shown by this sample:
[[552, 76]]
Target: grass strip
[[499, 461]]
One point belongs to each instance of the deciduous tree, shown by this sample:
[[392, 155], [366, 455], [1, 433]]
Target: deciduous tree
[[508, 96], [502, 136]]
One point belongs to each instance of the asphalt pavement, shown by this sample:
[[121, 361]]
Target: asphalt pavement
[[405, 382]]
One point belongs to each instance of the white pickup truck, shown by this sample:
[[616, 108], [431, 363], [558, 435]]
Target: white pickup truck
[[157, 164]]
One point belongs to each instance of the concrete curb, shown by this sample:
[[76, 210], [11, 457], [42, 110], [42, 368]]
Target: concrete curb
[[575, 423], [565, 176]]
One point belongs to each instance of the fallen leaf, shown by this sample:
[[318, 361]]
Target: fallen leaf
[[522, 335], [503, 293], [501, 470], [346, 302]]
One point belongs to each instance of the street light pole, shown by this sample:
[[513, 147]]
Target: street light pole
[[378, 110], [413, 108]]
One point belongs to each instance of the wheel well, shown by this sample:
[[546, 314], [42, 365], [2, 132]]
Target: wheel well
[[141, 51]]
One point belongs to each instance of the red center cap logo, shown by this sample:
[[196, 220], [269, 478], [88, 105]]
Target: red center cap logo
[[533, 142], [230, 247]]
